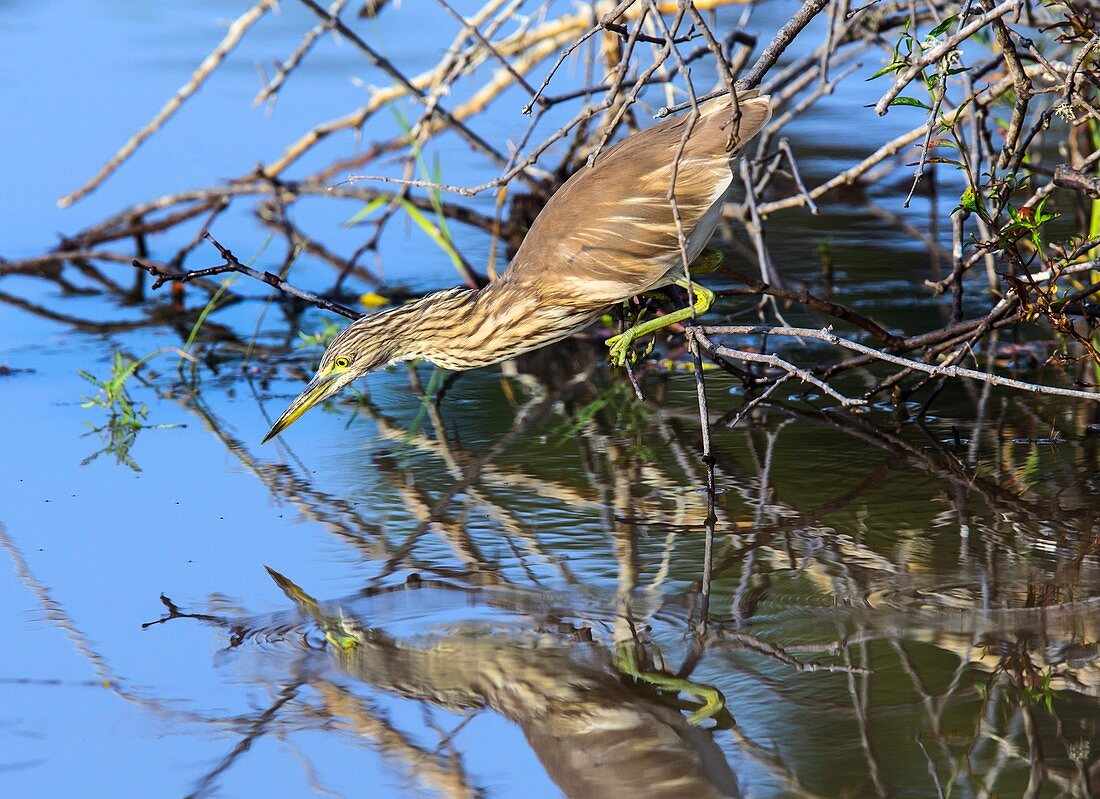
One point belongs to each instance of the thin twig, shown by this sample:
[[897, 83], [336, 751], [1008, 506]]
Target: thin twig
[[941, 50], [232, 264]]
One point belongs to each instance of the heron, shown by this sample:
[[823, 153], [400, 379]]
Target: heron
[[610, 233]]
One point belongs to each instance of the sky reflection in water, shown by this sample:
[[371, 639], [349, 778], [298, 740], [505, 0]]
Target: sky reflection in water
[[504, 593]]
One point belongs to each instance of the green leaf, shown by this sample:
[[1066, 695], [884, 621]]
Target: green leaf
[[1031, 464], [968, 201], [368, 209], [943, 26], [434, 233], [894, 66], [913, 101], [205, 312]]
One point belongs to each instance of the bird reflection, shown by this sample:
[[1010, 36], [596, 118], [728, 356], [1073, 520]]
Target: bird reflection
[[595, 734]]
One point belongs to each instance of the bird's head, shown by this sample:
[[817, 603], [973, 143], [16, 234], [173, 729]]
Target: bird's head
[[362, 347]]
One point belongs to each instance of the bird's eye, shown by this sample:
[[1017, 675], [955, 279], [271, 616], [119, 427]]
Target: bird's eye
[[343, 362]]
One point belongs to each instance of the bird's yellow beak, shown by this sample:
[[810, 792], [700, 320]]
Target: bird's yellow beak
[[320, 388]]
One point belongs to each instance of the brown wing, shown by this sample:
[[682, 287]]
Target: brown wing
[[609, 231]]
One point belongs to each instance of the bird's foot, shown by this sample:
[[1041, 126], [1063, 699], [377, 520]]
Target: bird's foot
[[712, 702], [620, 347]]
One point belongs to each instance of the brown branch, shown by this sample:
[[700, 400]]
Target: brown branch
[[1022, 86], [804, 297], [768, 58], [1068, 178], [232, 264], [284, 68], [472, 28], [381, 62]]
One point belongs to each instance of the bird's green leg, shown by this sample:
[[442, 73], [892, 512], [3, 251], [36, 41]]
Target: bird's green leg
[[620, 344], [713, 700]]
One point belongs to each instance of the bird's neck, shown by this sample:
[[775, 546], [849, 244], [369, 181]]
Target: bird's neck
[[466, 328]]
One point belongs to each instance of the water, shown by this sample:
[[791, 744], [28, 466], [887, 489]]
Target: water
[[494, 599]]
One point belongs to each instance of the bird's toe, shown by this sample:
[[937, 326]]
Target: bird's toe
[[619, 349]]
